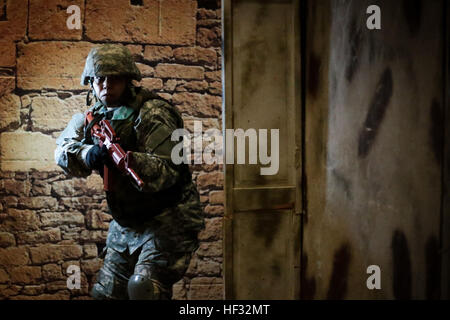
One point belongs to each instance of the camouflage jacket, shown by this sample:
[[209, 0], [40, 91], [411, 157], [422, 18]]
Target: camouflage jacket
[[168, 201]]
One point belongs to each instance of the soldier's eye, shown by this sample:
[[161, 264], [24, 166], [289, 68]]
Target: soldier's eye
[[99, 80]]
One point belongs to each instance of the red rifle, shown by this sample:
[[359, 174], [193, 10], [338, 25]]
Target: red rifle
[[106, 135]]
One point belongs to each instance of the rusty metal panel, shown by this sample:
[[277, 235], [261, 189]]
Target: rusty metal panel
[[263, 74], [374, 124], [250, 199], [263, 255], [261, 223]]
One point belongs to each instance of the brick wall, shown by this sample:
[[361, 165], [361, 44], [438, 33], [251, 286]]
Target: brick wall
[[49, 221]]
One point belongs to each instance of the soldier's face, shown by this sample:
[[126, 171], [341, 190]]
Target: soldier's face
[[109, 89]]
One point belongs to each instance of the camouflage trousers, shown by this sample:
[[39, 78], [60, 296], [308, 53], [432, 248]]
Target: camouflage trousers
[[152, 260]]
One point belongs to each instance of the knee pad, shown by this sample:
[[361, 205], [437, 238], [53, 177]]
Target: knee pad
[[142, 288]]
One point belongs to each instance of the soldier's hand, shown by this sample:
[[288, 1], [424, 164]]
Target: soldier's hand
[[97, 157]]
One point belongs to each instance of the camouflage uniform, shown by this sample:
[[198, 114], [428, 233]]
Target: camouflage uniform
[[154, 228]]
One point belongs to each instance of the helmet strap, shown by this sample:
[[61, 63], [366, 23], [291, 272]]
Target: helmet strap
[[91, 90], [88, 97]]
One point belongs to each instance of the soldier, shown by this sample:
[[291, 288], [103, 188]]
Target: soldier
[[154, 229]]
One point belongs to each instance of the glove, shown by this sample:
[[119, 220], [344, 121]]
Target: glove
[[97, 157]]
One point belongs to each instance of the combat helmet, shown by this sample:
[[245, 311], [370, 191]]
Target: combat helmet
[[108, 60]]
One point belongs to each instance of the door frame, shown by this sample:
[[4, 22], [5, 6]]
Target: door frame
[[227, 123]]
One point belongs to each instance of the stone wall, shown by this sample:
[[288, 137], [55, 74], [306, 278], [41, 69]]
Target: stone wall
[[49, 221]]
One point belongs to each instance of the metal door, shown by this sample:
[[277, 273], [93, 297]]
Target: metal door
[[262, 91]]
